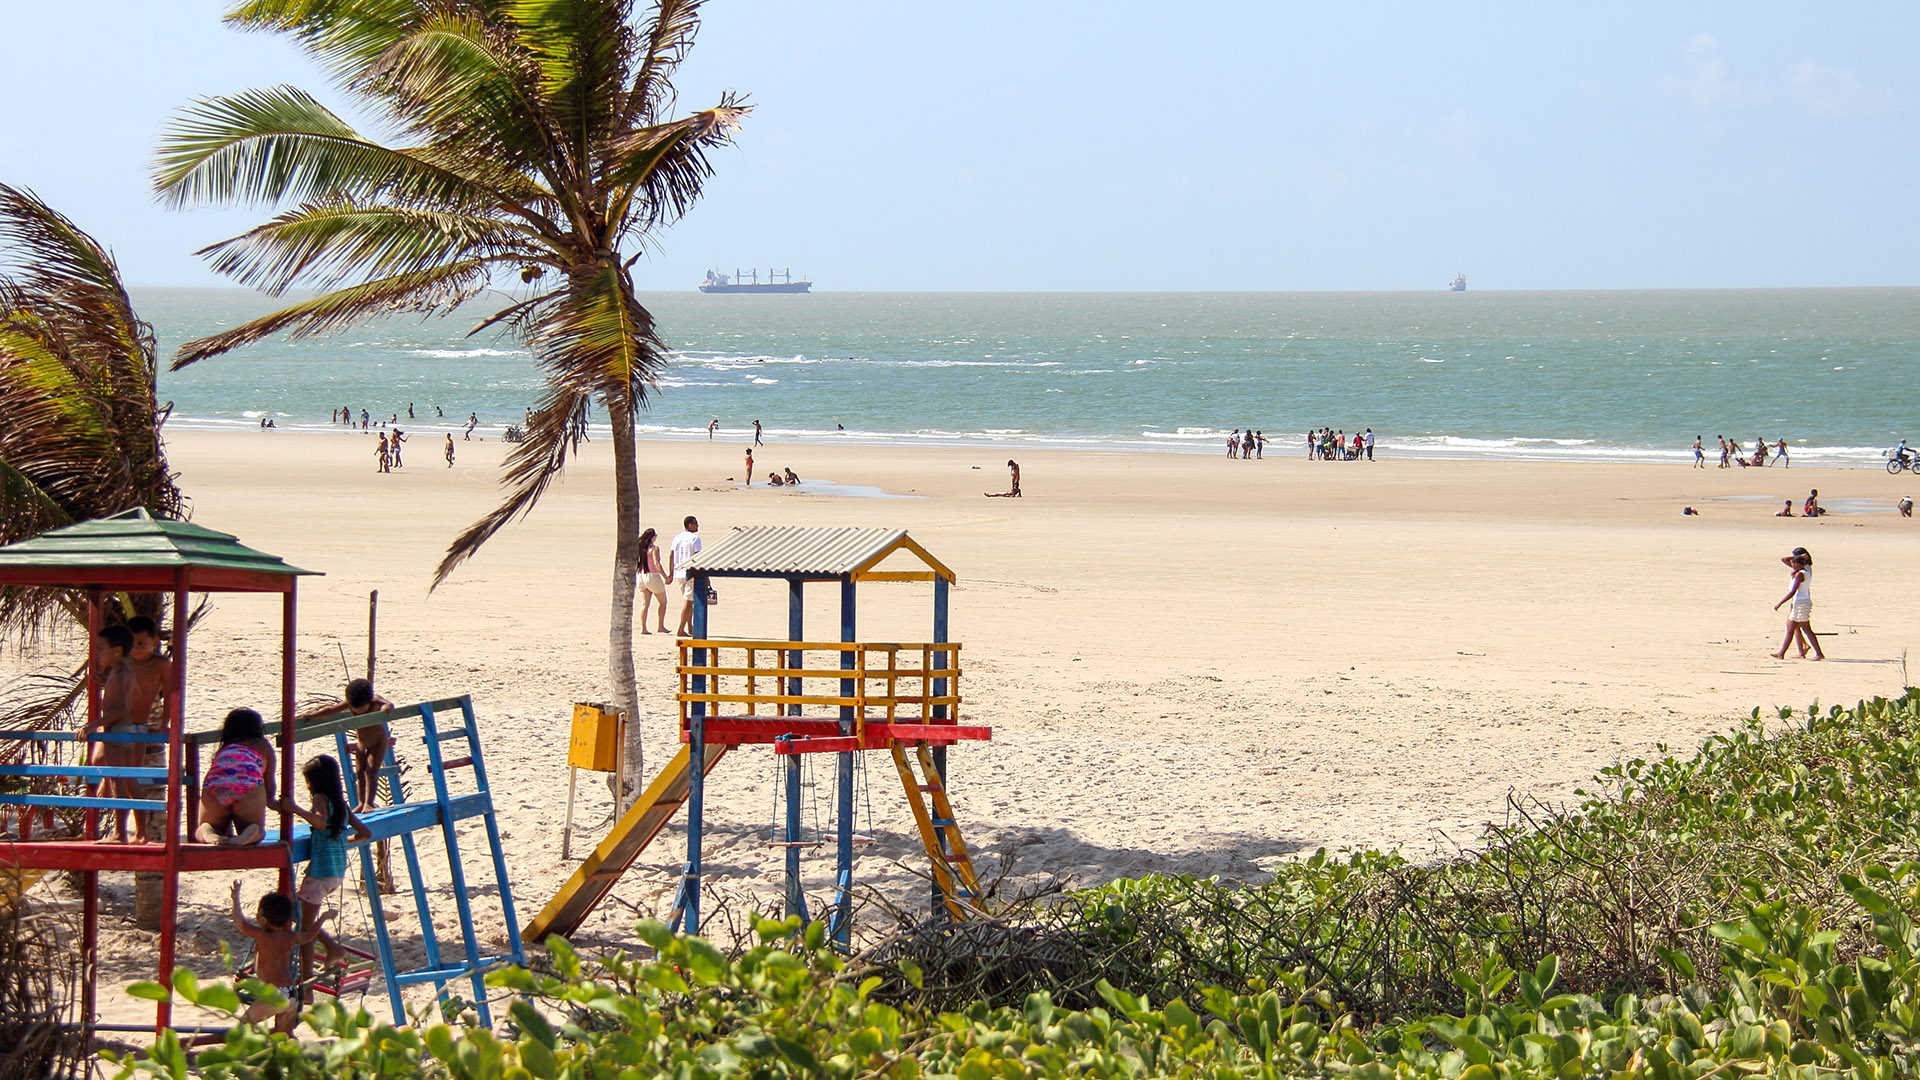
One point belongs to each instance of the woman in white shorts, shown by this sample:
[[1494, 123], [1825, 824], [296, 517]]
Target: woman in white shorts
[[1800, 615], [653, 582]]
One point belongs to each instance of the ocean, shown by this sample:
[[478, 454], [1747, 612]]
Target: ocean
[[1601, 376]]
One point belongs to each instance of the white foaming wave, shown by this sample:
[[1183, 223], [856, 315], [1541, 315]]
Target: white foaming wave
[[462, 354], [757, 381]]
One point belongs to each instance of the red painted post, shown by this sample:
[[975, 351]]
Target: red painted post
[[176, 730], [287, 604], [90, 880]]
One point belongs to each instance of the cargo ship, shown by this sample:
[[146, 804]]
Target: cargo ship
[[1458, 284], [778, 281]]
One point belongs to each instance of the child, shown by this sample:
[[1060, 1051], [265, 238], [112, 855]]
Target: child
[[373, 740], [239, 783], [152, 685], [274, 940], [111, 647], [327, 851]]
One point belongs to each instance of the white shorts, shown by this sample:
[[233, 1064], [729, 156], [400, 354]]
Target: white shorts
[[686, 588], [316, 890], [1800, 611], [652, 582]]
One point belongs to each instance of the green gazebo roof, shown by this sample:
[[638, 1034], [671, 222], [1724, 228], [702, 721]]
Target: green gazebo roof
[[134, 550]]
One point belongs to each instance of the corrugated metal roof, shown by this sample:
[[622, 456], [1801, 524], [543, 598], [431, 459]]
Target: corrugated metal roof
[[783, 549], [135, 539]]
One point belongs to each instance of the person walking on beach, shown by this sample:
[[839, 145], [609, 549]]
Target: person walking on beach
[[756, 433], [381, 452], [449, 449], [1800, 615], [394, 443], [1699, 454], [1233, 444], [653, 582], [680, 553], [1260, 446], [1726, 450]]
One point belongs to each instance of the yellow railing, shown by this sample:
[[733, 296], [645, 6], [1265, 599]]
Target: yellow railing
[[890, 682]]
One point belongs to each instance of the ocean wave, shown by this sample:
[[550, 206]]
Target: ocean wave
[[462, 354]]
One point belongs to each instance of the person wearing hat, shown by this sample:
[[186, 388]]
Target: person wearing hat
[[1800, 615]]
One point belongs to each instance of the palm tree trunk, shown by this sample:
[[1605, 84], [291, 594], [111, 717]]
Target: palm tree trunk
[[626, 566]]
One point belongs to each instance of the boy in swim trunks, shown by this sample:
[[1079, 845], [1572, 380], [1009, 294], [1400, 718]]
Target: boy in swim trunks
[[152, 682], [274, 942], [372, 741], [111, 647]]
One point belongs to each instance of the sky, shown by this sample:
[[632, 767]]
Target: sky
[[986, 146]]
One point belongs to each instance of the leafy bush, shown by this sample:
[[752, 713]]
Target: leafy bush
[[1624, 889]]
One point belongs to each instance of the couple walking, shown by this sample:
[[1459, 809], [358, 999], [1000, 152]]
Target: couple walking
[[654, 577]]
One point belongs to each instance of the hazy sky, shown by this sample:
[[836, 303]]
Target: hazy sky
[[992, 146]]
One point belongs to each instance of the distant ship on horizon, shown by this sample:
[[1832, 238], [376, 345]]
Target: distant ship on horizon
[[1458, 284], [777, 282]]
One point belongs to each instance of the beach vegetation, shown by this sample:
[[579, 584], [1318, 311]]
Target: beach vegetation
[[81, 437], [534, 149], [1784, 945]]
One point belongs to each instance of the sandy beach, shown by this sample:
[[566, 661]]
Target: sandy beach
[[1191, 664]]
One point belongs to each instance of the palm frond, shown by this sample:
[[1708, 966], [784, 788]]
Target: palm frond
[[661, 169], [344, 35], [593, 339], [324, 244], [582, 51], [436, 289], [458, 83], [667, 37], [281, 143]]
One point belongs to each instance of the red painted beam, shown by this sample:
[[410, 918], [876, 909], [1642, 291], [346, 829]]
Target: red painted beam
[[82, 855], [931, 733]]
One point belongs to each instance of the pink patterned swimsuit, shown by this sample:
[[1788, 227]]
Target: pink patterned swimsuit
[[236, 769]]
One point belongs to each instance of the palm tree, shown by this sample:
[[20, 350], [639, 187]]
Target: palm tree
[[81, 437], [530, 140]]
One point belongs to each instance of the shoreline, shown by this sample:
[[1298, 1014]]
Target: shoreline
[[1210, 443]]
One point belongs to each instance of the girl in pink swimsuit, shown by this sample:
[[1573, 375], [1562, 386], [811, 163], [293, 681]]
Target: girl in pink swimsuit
[[239, 783]]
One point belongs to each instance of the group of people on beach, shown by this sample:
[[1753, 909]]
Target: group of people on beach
[[1249, 447], [1325, 444], [1732, 454]]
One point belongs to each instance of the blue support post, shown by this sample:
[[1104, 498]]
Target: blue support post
[[369, 881], [796, 631], [515, 953], [796, 897], [840, 925], [940, 712], [458, 873], [687, 904]]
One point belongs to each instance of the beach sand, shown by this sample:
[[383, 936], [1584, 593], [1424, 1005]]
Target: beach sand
[[1190, 664]]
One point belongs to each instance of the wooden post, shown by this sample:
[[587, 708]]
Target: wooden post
[[382, 853]]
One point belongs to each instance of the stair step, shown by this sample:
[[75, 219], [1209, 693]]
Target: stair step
[[945, 823]]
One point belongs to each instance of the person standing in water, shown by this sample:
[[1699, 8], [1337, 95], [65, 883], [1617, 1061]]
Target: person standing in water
[[1800, 615]]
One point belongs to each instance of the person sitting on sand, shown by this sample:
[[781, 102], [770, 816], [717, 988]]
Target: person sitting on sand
[[1813, 507], [239, 783], [1787, 510], [774, 479], [1014, 492], [792, 480], [1688, 511], [274, 940], [371, 743], [1905, 506]]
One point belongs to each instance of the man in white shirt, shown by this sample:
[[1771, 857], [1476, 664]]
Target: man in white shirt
[[1369, 444], [679, 555]]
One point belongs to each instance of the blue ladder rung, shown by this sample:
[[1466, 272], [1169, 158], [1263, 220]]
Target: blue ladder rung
[[82, 802], [945, 823], [87, 772]]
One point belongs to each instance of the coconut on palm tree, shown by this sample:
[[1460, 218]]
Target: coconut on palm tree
[[532, 145]]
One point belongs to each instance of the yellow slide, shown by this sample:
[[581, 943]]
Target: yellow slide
[[630, 836]]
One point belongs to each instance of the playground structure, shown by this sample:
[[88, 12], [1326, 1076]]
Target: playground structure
[[899, 697], [135, 553]]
